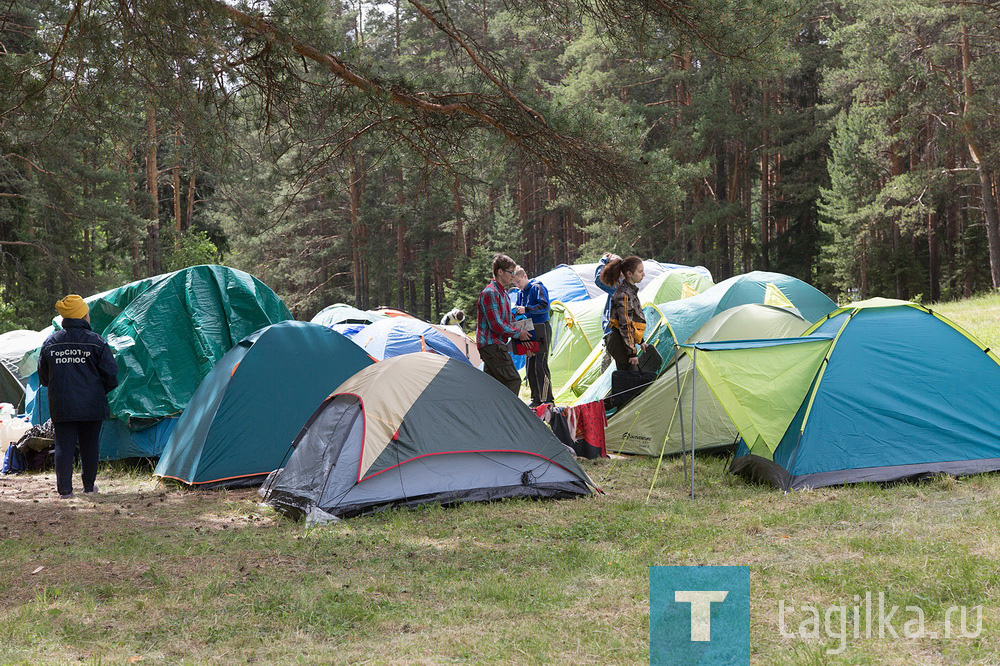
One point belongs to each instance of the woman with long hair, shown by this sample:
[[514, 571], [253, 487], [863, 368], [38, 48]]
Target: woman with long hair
[[628, 323]]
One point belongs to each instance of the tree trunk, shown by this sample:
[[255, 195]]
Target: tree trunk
[[133, 231], [189, 218], [992, 219], [358, 233], [154, 261], [178, 219], [765, 182]]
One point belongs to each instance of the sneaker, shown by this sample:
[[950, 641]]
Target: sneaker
[[66, 496], [92, 491]]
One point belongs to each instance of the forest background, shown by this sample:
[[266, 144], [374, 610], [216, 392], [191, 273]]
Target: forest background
[[380, 153]]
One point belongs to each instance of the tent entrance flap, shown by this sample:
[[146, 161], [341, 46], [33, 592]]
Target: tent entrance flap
[[761, 383]]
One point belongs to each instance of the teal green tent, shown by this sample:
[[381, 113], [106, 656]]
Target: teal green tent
[[880, 390], [243, 418]]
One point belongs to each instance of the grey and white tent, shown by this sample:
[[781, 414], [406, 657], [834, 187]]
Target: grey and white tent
[[421, 428]]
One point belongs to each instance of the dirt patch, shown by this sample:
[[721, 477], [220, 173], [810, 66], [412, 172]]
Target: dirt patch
[[46, 529]]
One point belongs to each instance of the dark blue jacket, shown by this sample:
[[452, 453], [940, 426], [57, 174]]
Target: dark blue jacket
[[606, 317], [80, 370], [535, 300]]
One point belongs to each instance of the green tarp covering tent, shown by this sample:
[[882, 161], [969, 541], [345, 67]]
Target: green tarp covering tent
[[421, 428], [861, 399], [651, 424], [167, 332], [171, 334], [669, 324], [239, 426]]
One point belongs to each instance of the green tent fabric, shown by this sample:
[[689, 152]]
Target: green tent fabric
[[169, 336], [668, 324], [579, 331], [237, 427], [651, 424], [673, 285], [11, 389], [761, 383]]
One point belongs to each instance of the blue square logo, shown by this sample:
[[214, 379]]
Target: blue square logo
[[699, 615]]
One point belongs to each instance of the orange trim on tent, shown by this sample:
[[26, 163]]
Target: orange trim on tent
[[198, 483]]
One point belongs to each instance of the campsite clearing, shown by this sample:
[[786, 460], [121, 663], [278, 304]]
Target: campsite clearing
[[212, 577], [151, 571]]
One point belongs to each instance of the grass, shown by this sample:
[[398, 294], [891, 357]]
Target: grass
[[148, 573]]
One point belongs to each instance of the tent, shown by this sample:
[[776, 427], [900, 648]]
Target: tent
[[403, 335], [576, 331], [880, 390], [659, 420], [11, 389], [415, 429], [167, 332], [464, 343], [14, 345], [669, 324], [341, 313], [569, 283], [673, 285], [238, 426]]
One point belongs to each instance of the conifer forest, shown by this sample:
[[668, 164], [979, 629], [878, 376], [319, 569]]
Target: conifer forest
[[380, 153]]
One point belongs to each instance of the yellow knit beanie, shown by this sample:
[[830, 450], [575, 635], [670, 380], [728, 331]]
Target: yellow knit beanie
[[72, 307]]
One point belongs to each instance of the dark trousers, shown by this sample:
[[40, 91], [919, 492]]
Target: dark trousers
[[537, 367], [69, 435], [498, 364], [618, 350]]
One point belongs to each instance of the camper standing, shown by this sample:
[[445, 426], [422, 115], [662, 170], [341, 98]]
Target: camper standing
[[533, 300], [79, 369], [606, 315], [495, 326], [628, 323]]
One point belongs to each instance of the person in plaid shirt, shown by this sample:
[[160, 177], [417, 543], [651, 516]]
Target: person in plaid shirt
[[495, 326]]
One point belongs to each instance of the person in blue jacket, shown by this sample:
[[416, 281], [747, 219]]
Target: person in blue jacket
[[606, 317], [79, 369], [533, 301]]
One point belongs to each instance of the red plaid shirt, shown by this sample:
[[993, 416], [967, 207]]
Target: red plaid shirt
[[495, 321]]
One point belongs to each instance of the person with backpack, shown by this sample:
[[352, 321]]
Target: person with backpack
[[626, 319], [79, 369], [533, 301]]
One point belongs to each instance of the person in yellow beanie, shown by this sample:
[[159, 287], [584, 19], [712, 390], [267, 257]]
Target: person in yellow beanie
[[79, 369]]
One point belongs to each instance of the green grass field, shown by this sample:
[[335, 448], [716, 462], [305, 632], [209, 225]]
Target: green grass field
[[152, 574]]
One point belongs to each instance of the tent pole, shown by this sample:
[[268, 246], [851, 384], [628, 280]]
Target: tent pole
[[694, 386], [680, 412]]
